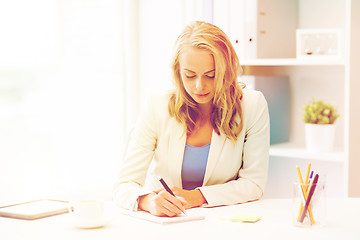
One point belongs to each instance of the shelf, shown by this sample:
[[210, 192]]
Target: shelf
[[291, 150], [293, 62]]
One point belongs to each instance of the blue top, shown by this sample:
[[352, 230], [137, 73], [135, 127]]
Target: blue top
[[194, 166]]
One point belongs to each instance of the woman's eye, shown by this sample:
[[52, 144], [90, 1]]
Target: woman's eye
[[210, 76], [191, 76]]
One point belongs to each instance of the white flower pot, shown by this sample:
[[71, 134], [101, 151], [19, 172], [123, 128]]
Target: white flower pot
[[319, 137]]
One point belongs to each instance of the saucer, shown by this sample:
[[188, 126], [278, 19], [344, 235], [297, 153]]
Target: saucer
[[93, 224]]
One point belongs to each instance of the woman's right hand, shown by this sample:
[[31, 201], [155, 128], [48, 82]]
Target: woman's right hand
[[161, 203]]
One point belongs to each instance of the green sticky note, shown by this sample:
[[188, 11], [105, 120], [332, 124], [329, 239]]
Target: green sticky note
[[245, 218]]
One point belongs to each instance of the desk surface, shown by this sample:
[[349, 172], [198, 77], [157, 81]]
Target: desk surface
[[343, 222]]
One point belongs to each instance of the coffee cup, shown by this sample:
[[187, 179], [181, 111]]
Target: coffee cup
[[87, 213]]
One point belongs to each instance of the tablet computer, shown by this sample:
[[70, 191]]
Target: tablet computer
[[35, 209]]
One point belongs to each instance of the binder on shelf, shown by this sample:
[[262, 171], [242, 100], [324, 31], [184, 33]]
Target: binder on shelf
[[259, 28]]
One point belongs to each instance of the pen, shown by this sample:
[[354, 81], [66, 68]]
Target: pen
[[168, 190], [166, 187], [311, 192]]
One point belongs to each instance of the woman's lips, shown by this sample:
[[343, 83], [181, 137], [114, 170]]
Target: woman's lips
[[201, 95]]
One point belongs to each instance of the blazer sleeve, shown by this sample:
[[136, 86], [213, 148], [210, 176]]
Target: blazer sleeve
[[252, 176], [138, 156]]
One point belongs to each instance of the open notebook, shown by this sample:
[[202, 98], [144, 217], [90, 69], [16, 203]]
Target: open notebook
[[163, 220], [34, 209]]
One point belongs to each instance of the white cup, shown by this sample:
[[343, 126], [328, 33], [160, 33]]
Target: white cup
[[87, 213]]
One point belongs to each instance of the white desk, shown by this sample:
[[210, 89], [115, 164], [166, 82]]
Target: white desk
[[342, 214]]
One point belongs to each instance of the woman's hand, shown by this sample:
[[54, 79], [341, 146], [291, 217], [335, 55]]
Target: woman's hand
[[193, 198], [162, 203]]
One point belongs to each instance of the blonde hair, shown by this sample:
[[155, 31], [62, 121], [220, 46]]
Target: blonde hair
[[226, 114]]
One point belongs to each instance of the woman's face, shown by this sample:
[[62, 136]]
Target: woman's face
[[197, 70]]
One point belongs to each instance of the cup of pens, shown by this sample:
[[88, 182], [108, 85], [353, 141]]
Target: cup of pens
[[309, 200]]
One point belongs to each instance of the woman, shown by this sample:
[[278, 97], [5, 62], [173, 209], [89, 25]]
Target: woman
[[209, 139]]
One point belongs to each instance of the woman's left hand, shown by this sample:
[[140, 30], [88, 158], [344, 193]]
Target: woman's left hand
[[193, 198]]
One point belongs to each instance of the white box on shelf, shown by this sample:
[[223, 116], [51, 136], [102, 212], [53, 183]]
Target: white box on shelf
[[319, 43]]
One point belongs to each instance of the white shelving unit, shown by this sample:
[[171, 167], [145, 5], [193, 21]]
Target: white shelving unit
[[295, 150], [322, 78], [293, 67], [292, 62], [307, 78], [291, 150]]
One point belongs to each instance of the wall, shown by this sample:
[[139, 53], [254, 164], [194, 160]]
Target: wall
[[354, 90]]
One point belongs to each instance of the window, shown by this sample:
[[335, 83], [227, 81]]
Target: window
[[68, 73]]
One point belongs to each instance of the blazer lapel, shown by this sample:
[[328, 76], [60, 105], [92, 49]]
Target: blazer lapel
[[217, 144], [177, 141]]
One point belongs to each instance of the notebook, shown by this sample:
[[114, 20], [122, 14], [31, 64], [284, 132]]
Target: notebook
[[35, 209], [163, 220]]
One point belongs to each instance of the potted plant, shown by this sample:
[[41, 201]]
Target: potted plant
[[319, 119]]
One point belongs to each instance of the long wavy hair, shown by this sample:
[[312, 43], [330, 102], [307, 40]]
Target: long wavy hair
[[226, 116]]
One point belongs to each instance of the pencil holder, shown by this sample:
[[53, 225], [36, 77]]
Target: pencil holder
[[309, 204]]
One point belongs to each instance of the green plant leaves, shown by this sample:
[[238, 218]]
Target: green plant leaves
[[319, 112]]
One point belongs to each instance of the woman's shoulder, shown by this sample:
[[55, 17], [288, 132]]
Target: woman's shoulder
[[252, 97], [253, 103]]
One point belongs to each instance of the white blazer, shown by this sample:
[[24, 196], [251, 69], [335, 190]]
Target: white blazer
[[235, 173]]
